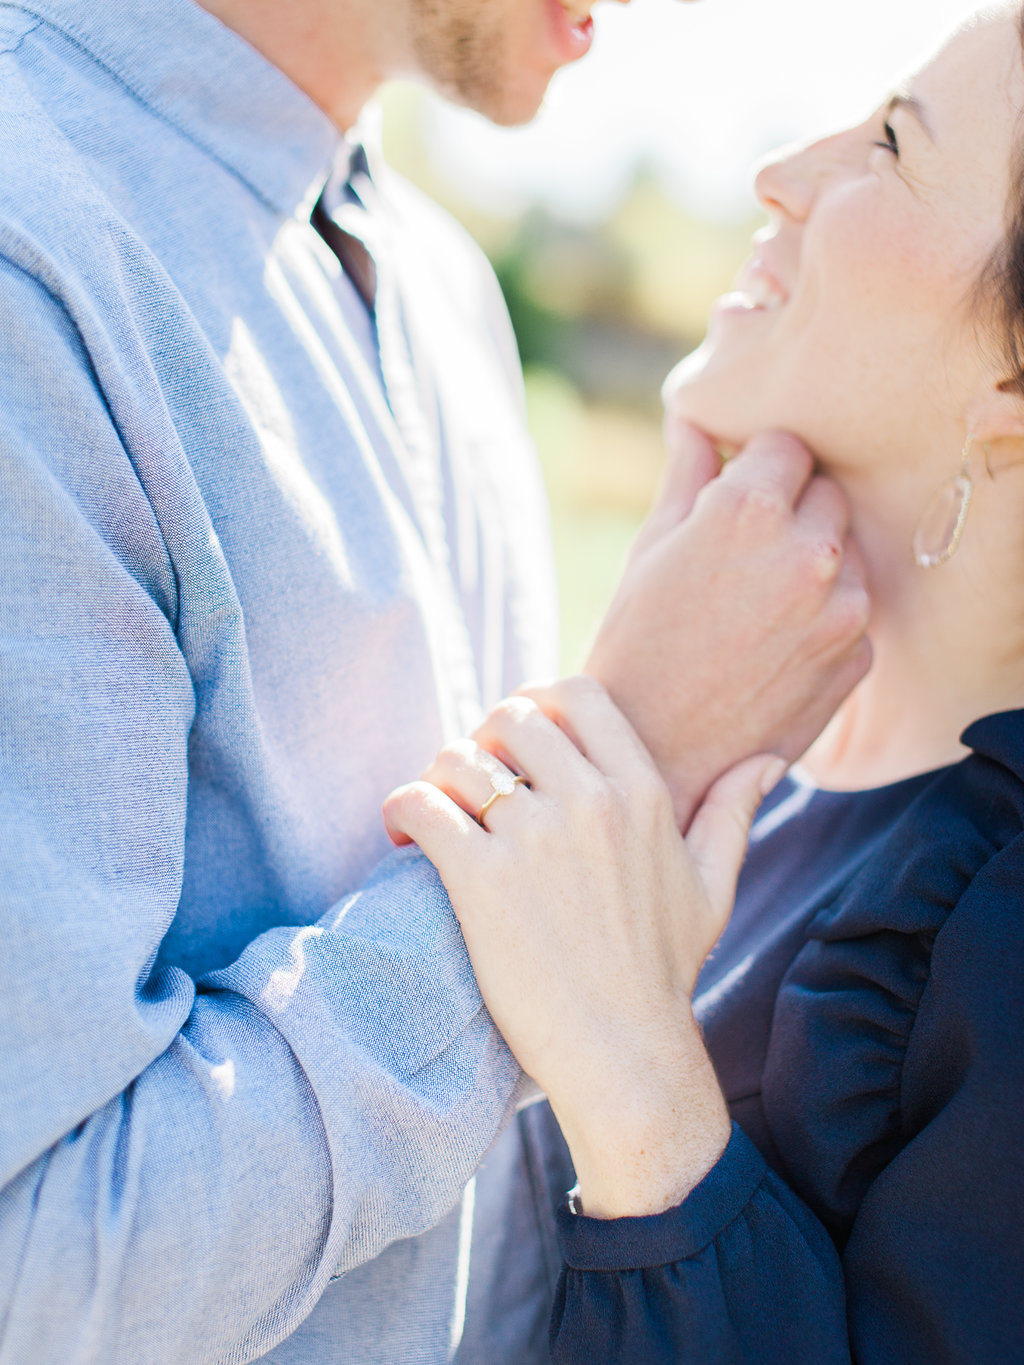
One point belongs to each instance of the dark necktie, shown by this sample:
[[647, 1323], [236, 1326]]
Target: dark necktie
[[356, 223], [357, 229]]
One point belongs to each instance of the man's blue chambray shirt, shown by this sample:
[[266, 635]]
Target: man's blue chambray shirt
[[238, 1056]]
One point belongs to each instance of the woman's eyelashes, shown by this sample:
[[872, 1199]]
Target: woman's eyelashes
[[890, 144]]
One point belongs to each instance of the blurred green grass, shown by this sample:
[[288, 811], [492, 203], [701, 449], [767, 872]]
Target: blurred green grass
[[601, 313], [600, 469]]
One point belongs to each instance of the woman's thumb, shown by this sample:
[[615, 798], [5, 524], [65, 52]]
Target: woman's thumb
[[718, 834]]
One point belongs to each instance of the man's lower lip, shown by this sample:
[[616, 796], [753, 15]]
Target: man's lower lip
[[572, 38]]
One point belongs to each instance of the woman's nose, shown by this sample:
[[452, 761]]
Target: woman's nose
[[787, 183]]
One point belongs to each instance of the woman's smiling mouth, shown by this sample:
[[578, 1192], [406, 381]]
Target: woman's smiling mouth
[[756, 289]]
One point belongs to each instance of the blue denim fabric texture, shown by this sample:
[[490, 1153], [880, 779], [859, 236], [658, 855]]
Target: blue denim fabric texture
[[242, 1048]]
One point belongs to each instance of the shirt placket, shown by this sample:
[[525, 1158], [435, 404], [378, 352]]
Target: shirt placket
[[411, 396]]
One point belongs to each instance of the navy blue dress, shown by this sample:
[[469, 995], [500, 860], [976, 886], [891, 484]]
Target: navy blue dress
[[865, 1013]]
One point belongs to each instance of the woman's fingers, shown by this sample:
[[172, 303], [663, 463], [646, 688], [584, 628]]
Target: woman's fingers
[[474, 778], [564, 740], [717, 838], [527, 741], [422, 814], [583, 710]]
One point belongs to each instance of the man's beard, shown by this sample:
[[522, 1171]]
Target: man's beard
[[459, 48]]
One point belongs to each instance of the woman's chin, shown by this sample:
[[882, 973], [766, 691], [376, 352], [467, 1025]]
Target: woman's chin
[[684, 375], [694, 393]]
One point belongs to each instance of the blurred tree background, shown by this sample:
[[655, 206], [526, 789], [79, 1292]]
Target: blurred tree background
[[602, 311]]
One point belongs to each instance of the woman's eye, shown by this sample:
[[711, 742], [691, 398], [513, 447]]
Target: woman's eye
[[890, 144]]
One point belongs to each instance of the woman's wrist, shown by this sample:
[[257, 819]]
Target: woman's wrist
[[648, 1136]]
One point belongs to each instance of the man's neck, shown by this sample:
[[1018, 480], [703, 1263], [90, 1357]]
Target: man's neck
[[338, 54]]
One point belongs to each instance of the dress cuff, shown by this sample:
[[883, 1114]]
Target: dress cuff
[[662, 1238]]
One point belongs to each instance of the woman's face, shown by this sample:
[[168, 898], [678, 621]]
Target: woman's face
[[853, 323]]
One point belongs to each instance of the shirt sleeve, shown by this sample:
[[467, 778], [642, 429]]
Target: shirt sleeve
[[897, 1079], [183, 1164]]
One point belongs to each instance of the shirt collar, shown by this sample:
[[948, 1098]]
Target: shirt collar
[[212, 85]]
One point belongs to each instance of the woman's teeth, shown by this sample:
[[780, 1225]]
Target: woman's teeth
[[758, 291]]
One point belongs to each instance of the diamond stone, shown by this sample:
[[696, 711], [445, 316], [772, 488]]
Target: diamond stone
[[503, 783]]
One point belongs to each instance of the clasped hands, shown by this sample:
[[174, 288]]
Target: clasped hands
[[738, 628]]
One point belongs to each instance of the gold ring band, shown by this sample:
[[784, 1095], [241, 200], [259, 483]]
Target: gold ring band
[[502, 784]]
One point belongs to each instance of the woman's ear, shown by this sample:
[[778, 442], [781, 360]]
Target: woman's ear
[[998, 414]]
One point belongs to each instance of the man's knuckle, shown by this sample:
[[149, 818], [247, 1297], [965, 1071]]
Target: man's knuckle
[[799, 564], [846, 620], [822, 559], [758, 509]]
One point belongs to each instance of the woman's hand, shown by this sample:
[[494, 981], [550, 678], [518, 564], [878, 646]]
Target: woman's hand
[[587, 917]]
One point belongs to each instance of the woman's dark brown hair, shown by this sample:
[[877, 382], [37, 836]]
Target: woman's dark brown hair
[[1003, 279]]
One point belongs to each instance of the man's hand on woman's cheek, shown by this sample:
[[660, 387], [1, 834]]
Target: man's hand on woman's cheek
[[740, 622]]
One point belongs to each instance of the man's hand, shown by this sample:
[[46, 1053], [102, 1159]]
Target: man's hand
[[739, 625]]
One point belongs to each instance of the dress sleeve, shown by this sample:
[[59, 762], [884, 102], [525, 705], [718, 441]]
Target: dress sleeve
[[893, 1090], [740, 1272], [935, 1257], [183, 1163]]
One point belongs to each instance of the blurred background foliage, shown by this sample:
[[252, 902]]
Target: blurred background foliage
[[602, 311]]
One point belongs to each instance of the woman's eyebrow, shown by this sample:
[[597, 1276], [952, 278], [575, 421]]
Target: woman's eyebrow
[[902, 99]]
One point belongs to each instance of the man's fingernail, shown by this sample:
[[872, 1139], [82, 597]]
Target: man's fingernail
[[772, 775]]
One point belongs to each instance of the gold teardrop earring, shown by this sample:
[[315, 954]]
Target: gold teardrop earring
[[942, 522]]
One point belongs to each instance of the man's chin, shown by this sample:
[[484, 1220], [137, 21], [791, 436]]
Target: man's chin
[[511, 118], [506, 106]]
